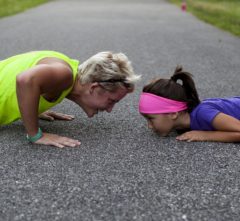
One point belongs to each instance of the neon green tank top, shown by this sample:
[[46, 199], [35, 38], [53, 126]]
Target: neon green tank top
[[10, 68]]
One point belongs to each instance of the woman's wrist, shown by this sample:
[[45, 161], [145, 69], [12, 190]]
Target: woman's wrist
[[36, 137]]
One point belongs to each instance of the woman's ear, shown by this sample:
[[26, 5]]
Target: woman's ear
[[93, 86]]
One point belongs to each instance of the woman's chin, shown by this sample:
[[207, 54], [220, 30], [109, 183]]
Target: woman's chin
[[91, 114]]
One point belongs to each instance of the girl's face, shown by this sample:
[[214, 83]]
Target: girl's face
[[160, 123]]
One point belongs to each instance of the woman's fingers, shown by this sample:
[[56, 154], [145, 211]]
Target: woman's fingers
[[56, 144], [58, 141], [45, 116], [52, 115], [60, 116]]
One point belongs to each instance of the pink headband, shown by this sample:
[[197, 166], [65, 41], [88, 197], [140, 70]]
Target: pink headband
[[153, 104]]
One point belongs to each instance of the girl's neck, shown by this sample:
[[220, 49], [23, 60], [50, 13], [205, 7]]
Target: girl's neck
[[183, 121]]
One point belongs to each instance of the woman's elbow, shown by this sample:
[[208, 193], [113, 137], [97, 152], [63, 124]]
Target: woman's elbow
[[23, 81]]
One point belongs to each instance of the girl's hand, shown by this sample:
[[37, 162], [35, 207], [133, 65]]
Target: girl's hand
[[227, 129], [51, 116], [193, 135], [57, 141]]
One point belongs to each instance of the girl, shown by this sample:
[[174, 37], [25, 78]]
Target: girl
[[168, 105]]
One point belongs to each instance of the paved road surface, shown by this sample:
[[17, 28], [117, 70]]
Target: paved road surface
[[122, 171]]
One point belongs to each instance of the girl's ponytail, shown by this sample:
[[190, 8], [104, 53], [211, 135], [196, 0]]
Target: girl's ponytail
[[170, 88], [188, 85]]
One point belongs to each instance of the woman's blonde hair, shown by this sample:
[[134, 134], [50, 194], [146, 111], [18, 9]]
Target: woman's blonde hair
[[110, 70]]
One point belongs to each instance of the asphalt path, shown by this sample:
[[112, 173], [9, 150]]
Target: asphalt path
[[122, 171]]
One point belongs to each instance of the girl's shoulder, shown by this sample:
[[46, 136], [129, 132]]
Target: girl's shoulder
[[203, 115], [206, 111], [218, 100], [212, 106]]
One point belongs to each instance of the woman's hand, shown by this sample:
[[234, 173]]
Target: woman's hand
[[57, 141], [51, 116]]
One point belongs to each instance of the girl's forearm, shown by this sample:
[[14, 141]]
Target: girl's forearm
[[222, 136], [218, 136]]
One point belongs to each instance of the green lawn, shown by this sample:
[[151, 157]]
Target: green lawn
[[224, 14], [9, 7]]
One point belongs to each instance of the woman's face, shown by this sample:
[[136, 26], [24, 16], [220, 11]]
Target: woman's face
[[102, 100], [160, 123]]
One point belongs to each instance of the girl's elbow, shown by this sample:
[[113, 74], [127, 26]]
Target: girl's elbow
[[237, 138]]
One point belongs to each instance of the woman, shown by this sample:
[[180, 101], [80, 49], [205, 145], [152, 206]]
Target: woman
[[33, 82]]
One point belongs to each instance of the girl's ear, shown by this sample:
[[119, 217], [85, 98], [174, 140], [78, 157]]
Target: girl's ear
[[174, 116]]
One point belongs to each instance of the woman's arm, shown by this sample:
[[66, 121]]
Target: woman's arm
[[227, 130], [45, 79]]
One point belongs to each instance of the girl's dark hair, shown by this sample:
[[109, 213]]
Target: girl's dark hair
[[170, 88]]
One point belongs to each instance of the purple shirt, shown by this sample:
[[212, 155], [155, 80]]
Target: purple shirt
[[202, 116]]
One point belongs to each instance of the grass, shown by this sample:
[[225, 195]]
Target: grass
[[10, 7], [224, 14]]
